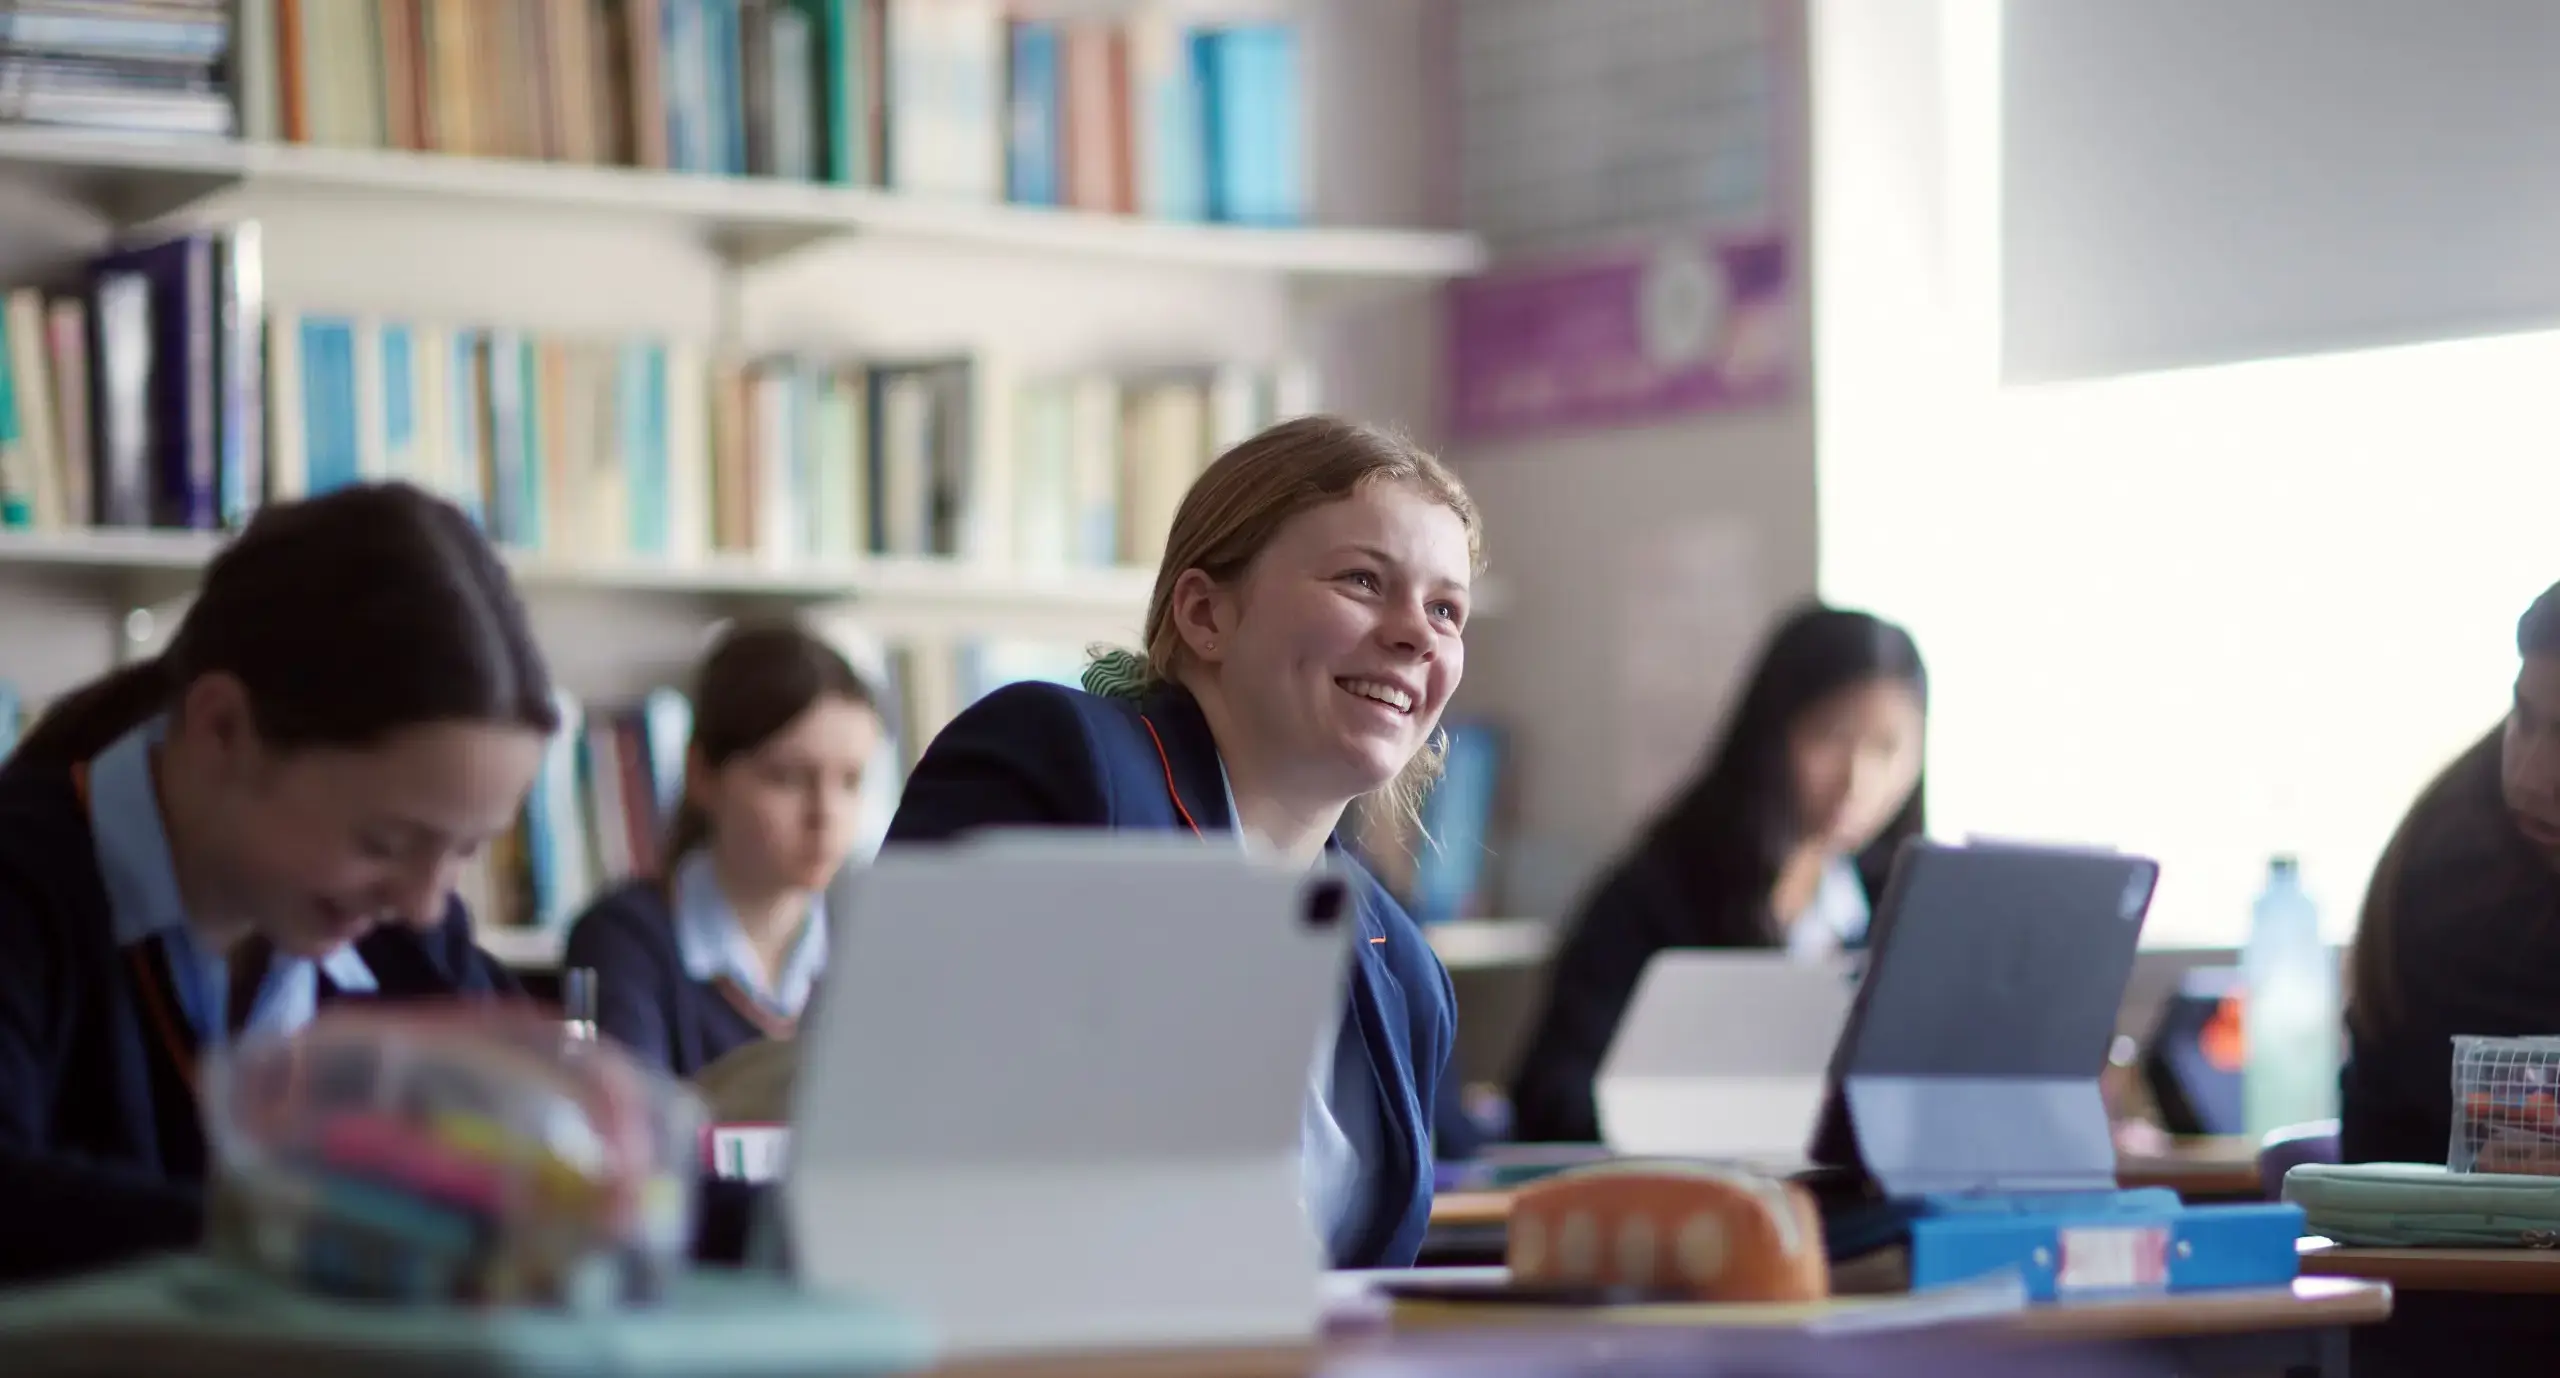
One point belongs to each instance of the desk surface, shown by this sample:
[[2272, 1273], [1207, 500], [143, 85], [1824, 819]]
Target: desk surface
[[2310, 1304], [2509, 1271], [2225, 1165], [2198, 1167]]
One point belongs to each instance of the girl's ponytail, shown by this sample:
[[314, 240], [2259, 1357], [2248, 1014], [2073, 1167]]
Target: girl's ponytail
[[88, 720]]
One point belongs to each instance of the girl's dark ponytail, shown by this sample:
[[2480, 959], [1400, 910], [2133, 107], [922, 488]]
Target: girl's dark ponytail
[[87, 721], [345, 618], [687, 828]]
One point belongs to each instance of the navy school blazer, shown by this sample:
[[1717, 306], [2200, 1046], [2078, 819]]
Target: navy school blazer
[[1031, 755], [102, 1151], [645, 1000]]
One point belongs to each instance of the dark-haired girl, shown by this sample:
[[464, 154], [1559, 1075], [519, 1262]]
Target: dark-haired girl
[[1779, 843], [725, 948], [266, 817]]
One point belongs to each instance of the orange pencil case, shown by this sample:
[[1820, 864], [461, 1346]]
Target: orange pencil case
[[1710, 1231]]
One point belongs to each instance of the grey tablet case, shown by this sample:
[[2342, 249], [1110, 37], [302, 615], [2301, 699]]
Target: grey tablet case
[[1972, 1052]]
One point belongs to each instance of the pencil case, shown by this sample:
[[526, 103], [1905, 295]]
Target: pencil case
[[2416, 1205], [194, 1316], [1708, 1231]]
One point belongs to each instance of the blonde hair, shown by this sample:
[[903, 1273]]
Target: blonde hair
[[1235, 508]]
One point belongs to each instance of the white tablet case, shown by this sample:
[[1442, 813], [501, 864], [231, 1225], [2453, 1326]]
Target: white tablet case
[[1052, 1096], [1723, 1054]]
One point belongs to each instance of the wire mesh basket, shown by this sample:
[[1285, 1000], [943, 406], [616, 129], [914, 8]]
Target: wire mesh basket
[[2506, 1105]]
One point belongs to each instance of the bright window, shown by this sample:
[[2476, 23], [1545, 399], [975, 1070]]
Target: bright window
[[2214, 614]]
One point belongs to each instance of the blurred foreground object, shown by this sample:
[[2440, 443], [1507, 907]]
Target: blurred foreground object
[[752, 1084], [451, 1154]]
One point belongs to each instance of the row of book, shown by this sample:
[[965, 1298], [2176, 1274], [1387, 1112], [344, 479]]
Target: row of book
[[168, 394], [953, 98], [128, 66]]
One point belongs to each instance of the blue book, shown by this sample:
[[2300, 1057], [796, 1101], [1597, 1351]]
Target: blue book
[[468, 398], [640, 401], [241, 475], [728, 98], [1036, 117], [685, 52], [399, 402], [179, 452], [504, 376], [330, 442], [1170, 107], [1457, 820], [533, 462], [1250, 78]]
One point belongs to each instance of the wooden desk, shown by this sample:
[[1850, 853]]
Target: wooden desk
[[1470, 1210], [2313, 1308], [2510, 1272], [2201, 1168], [2318, 1303]]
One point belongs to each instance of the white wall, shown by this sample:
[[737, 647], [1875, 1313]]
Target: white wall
[[1638, 567], [2208, 614], [2193, 181], [1905, 191]]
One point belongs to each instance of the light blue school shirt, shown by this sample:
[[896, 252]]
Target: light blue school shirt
[[1836, 918], [712, 943], [142, 901], [1337, 1133]]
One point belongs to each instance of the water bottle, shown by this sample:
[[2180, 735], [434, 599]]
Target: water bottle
[[2289, 1009]]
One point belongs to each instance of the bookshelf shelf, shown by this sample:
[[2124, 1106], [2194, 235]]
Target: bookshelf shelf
[[154, 564], [129, 178], [1492, 944], [751, 220]]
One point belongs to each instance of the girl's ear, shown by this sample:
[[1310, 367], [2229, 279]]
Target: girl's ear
[[213, 713], [1203, 614]]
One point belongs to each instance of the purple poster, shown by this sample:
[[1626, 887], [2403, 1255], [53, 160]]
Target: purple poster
[[1632, 335]]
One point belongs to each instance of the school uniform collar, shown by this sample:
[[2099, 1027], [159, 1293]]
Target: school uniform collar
[[1196, 770], [712, 943], [132, 841], [141, 878]]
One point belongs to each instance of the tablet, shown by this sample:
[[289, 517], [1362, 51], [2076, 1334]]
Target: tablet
[[1972, 1051], [1723, 1054], [1053, 1096]]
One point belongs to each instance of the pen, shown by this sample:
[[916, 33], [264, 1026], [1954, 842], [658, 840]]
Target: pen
[[578, 1001]]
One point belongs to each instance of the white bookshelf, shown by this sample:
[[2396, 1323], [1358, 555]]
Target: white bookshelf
[[754, 266], [144, 567], [749, 220], [325, 206]]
